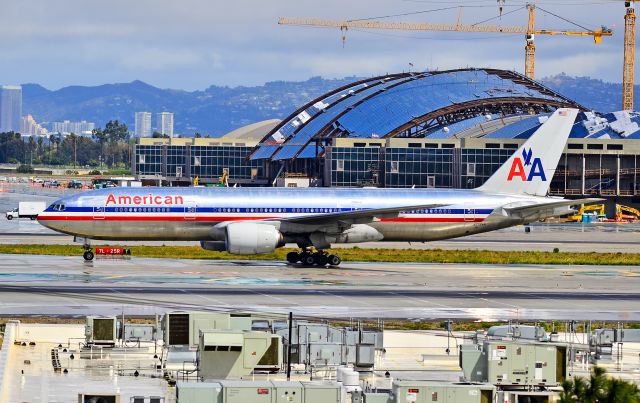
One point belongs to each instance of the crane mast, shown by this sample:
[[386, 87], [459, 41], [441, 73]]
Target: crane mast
[[629, 57]]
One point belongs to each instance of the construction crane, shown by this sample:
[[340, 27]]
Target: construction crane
[[629, 56], [529, 31]]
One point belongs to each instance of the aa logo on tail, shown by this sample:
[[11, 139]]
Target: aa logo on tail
[[526, 168]]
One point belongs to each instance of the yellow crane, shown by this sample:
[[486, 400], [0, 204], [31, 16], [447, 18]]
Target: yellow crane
[[628, 66], [529, 31]]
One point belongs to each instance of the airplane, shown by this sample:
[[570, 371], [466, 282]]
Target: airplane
[[249, 221]]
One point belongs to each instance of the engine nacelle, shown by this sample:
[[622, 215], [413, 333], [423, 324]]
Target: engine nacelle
[[215, 246], [359, 233], [246, 238]]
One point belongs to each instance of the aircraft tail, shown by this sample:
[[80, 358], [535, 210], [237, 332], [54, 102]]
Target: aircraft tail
[[530, 169]]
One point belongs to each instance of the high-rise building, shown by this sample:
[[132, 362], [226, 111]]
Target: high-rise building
[[165, 123], [10, 108], [143, 124]]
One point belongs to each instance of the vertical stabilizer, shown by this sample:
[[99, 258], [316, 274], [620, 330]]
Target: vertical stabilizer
[[530, 169]]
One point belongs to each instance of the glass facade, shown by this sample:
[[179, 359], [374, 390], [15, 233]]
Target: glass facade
[[176, 161], [477, 165], [210, 161], [187, 161], [149, 160], [355, 166], [414, 166], [419, 167]]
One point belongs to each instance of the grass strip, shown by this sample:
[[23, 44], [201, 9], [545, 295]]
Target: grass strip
[[360, 255]]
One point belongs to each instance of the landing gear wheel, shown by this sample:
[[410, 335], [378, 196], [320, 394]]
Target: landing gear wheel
[[334, 260], [293, 257], [87, 255], [320, 259], [307, 259]]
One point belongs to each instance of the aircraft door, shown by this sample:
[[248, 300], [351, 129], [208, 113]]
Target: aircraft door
[[98, 212], [190, 211], [469, 215]]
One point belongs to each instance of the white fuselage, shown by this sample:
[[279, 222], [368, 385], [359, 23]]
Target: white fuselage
[[190, 213]]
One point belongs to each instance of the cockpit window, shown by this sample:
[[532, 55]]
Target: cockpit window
[[57, 207]]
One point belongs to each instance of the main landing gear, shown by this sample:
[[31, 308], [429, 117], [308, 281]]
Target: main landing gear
[[309, 258]]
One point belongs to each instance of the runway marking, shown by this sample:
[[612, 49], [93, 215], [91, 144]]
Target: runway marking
[[288, 302], [489, 301], [220, 279], [350, 300], [219, 302]]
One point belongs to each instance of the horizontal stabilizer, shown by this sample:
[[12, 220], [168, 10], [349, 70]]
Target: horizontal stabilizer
[[538, 207]]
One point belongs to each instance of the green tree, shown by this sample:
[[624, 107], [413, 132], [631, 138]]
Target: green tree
[[599, 389]]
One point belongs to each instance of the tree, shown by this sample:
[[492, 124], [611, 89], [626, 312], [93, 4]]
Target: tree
[[101, 137], [24, 169], [599, 389]]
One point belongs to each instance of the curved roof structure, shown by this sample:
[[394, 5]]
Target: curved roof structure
[[254, 131], [406, 105]]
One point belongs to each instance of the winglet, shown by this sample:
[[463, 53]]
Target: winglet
[[529, 170]]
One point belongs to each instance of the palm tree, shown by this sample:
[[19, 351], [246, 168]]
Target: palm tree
[[599, 389], [619, 391], [597, 385]]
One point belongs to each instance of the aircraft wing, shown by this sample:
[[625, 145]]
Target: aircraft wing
[[353, 217], [531, 209]]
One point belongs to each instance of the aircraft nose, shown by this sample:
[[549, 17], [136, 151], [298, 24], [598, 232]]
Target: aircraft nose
[[47, 222]]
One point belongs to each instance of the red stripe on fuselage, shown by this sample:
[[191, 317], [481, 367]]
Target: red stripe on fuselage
[[231, 218]]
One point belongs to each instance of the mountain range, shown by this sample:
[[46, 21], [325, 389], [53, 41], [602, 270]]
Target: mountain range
[[218, 110]]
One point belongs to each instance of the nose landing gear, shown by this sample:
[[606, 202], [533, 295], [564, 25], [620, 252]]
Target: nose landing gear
[[309, 258], [88, 254]]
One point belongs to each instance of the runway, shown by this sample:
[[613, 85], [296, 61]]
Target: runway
[[44, 285]]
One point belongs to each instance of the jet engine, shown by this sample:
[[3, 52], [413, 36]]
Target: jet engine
[[215, 246], [245, 238]]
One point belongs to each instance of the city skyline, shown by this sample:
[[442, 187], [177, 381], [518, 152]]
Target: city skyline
[[193, 45]]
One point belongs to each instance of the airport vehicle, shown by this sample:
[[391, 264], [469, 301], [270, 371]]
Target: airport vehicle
[[590, 209], [259, 220], [102, 183], [626, 213], [74, 184], [26, 210]]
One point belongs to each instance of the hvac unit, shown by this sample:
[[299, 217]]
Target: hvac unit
[[176, 329], [101, 330], [98, 398], [272, 358]]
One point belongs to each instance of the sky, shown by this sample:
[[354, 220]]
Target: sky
[[192, 44]]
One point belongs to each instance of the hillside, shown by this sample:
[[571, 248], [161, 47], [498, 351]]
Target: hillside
[[218, 110]]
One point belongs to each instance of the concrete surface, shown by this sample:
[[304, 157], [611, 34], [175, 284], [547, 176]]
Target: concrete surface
[[30, 376], [68, 285]]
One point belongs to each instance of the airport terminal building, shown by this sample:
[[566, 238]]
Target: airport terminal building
[[443, 129]]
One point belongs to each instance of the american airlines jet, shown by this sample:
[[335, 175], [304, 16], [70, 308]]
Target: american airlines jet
[[258, 220]]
